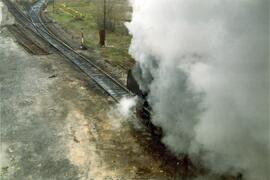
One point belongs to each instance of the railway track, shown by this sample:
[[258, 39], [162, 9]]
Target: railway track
[[34, 22]]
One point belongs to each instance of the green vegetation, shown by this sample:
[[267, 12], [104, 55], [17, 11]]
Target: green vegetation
[[75, 15]]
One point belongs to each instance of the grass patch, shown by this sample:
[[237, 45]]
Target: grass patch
[[117, 42]]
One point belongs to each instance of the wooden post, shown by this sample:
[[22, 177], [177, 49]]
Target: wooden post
[[102, 33], [83, 47], [102, 38]]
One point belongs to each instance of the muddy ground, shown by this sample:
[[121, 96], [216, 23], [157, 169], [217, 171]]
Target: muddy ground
[[57, 124]]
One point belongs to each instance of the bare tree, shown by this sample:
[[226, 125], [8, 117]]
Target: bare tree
[[111, 13]]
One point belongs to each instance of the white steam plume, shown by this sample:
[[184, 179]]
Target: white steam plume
[[206, 67], [125, 105], [122, 112]]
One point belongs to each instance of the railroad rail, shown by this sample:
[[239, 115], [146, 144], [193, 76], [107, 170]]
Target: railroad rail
[[34, 22]]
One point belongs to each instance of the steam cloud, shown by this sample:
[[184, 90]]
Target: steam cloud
[[125, 105], [122, 112], [205, 65]]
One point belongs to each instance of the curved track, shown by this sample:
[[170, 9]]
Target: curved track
[[35, 23]]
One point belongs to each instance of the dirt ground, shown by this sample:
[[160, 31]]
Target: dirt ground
[[57, 124]]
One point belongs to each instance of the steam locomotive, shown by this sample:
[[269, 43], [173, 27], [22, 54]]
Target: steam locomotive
[[143, 109], [144, 112]]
